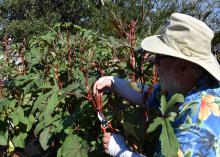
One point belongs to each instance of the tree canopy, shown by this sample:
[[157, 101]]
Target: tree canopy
[[25, 18]]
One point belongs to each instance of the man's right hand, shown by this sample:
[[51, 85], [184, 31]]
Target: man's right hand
[[102, 85]]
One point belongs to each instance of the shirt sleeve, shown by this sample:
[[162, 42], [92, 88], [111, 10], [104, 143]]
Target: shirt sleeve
[[118, 148], [124, 90]]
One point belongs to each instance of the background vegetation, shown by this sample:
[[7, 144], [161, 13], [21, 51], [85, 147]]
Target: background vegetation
[[52, 53]]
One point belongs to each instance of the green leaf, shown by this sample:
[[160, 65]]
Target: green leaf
[[44, 138], [28, 87], [129, 130], [46, 86], [20, 80], [27, 99], [189, 153], [45, 122], [74, 146], [52, 103], [29, 122], [176, 98], [171, 116], [4, 102], [3, 138], [163, 105], [166, 106], [40, 103], [59, 153], [169, 142], [19, 141], [157, 121], [18, 116]]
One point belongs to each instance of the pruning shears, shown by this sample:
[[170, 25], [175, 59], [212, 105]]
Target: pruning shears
[[105, 124]]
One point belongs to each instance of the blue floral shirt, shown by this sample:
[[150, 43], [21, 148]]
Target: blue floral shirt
[[197, 125]]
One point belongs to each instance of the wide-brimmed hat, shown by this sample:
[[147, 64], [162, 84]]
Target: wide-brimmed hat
[[187, 38]]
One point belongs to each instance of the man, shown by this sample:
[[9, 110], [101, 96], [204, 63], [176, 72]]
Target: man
[[185, 65]]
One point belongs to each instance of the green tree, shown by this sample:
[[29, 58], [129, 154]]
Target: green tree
[[24, 19]]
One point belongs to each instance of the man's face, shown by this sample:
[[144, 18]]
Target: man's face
[[169, 71]]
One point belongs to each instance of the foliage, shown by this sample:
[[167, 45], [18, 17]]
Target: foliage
[[169, 142], [48, 96], [74, 146], [23, 19]]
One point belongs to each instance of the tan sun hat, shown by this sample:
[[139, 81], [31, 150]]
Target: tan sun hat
[[187, 38]]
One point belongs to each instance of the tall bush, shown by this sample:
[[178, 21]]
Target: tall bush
[[48, 97]]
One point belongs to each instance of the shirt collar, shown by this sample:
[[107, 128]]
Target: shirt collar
[[202, 84]]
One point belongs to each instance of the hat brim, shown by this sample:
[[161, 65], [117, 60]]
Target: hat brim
[[155, 45]]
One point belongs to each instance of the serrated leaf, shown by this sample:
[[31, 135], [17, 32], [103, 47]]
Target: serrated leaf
[[166, 106], [28, 87], [157, 121], [39, 103], [169, 142], [27, 98], [176, 98], [72, 87], [129, 130], [45, 122], [19, 141], [52, 103], [46, 86], [23, 79], [4, 102], [59, 153], [3, 138], [163, 105], [171, 116], [57, 126], [44, 138], [29, 122], [38, 82], [18, 116], [74, 146]]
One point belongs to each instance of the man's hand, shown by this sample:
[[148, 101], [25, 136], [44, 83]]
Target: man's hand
[[114, 145], [102, 84], [105, 141]]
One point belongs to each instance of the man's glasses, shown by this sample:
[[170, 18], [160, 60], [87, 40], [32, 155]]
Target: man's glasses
[[152, 59]]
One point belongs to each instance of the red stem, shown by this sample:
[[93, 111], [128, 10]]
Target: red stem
[[69, 55], [132, 43], [56, 70], [142, 13], [22, 59], [1, 89], [68, 47], [89, 96], [155, 77]]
